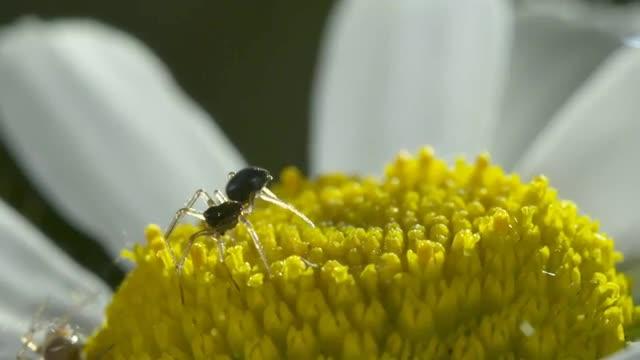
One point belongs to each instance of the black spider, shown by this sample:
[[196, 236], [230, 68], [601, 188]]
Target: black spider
[[224, 212]]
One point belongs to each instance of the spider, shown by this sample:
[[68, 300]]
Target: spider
[[224, 212]]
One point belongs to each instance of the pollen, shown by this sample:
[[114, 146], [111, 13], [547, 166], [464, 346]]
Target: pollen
[[432, 261]]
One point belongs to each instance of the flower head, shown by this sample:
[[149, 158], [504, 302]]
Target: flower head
[[431, 261]]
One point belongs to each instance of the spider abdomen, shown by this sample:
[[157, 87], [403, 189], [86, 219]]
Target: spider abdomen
[[246, 183]]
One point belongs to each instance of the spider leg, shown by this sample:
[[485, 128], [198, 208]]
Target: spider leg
[[250, 204], [179, 215], [200, 193], [220, 196], [74, 309], [35, 320], [185, 252], [221, 251], [28, 343], [268, 196], [256, 243], [309, 263], [187, 249]]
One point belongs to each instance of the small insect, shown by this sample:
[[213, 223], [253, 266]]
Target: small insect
[[57, 340], [53, 339], [224, 212]]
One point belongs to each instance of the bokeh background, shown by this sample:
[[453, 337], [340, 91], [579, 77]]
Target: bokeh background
[[248, 63]]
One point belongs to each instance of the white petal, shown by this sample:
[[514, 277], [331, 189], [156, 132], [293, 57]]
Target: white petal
[[102, 129], [631, 352], [590, 149], [609, 16], [550, 59], [32, 272], [402, 74]]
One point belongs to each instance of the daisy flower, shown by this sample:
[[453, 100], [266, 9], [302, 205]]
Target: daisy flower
[[543, 96], [459, 76], [104, 105]]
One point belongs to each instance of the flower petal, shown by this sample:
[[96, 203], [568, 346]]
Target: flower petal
[[102, 129], [33, 271], [590, 149], [631, 352], [401, 74], [550, 59], [618, 18]]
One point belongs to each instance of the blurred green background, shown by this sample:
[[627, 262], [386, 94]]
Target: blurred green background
[[248, 63]]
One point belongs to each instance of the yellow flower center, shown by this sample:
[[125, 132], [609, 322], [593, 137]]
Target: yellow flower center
[[432, 261]]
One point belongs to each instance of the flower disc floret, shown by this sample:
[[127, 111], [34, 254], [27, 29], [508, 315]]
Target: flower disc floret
[[433, 261]]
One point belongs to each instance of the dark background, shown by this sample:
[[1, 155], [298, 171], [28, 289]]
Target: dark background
[[248, 63], [244, 61]]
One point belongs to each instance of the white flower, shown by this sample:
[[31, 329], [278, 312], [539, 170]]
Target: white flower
[[543, 96], [618, 20], [112, 143], [103, 131]]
